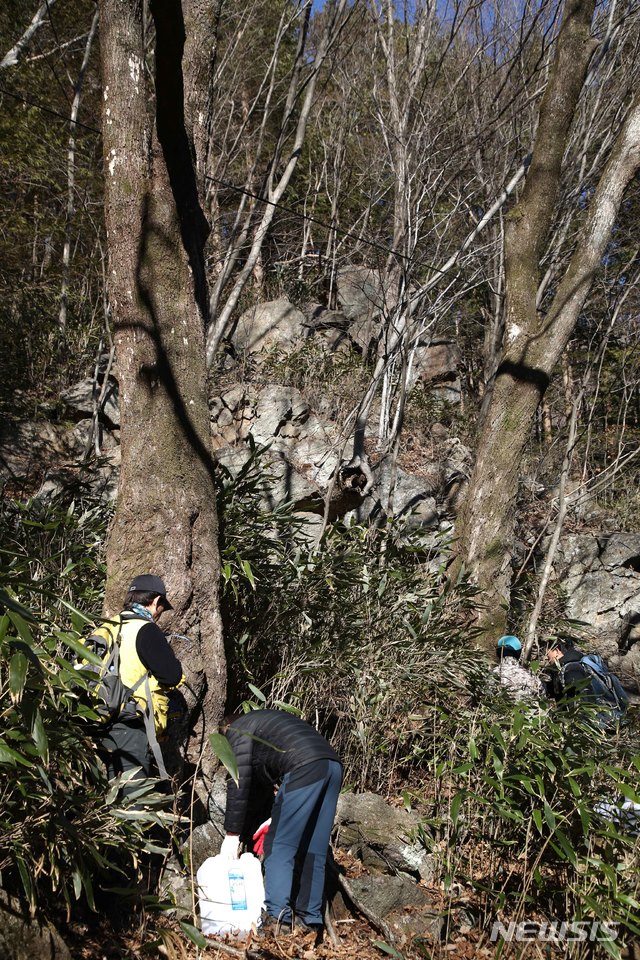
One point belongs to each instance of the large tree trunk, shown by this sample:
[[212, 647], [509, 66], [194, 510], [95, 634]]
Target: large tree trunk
[[535, 343], [165, 520]]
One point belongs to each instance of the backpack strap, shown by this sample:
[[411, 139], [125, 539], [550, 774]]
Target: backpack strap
[[150, 728]]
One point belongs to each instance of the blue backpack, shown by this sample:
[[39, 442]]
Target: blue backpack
[[606, 690]]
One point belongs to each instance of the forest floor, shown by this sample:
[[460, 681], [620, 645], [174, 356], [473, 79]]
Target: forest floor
[[356, 938], [117, 934]]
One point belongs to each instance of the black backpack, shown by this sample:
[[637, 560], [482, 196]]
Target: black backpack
[[606, 690], [110, 698]]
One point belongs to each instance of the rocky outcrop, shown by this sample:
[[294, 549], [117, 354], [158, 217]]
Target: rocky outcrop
[[304, 458], [599, 579], [24, 939]]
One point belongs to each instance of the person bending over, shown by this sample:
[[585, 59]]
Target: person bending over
[[274, 747]]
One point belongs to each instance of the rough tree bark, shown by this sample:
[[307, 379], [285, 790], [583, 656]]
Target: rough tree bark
[[534, 342], [165, 520]]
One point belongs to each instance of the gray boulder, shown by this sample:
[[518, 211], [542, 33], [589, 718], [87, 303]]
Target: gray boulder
[[400, 909], [381, 836], [82, 396], [436, 363], [413, 498], [360, 292], [276, 322], [362, 299]]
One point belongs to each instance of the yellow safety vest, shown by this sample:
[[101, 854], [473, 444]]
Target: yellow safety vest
[[132, 670]]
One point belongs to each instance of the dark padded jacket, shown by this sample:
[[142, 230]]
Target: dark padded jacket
[[576, 676], [268, 744]]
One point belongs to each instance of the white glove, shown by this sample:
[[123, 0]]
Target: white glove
[[230, 847]]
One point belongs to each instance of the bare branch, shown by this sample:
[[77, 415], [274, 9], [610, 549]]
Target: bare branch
[[12, 58]]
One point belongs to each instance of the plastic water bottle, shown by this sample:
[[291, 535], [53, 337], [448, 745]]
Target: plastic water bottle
[[231, 895], [237, 889]]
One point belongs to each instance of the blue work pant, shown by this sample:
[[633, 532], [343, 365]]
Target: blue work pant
[[298, 841]]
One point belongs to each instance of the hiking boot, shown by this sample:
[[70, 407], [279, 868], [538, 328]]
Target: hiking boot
[[272, 927], [314, 932]]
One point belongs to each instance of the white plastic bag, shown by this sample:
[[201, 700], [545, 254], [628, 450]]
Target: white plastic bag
[[231, 894]]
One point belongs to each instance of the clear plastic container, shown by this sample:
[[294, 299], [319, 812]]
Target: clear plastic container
[[231, 895]]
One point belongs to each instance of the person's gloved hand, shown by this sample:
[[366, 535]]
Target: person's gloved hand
[[258, 837], [230, 847]]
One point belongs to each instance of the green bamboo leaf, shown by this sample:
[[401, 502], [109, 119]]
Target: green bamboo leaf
[[566, 848], [6, 600], [248, 572], [222, 749], [630, 901], [537, 819], [27, 883], [257, 693], [21, 625], [88, 890], [464, 767], [575, 787], [78, 647], [193, 934], [7, 755], [17, 676], [77, 615], [628, 793], [39, 736], [456, 803], [611, 947], [288, 708], [388, 949], [549, 816]]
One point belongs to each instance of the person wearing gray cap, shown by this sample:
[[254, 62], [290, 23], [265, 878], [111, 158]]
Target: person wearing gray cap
[[149, 669]]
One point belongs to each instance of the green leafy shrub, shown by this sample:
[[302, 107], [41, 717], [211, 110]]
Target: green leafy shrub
[[512, 819], [52, 555], [364, 625], [62, 826]]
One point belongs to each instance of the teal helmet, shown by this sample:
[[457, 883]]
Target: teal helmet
[[509, 643]]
